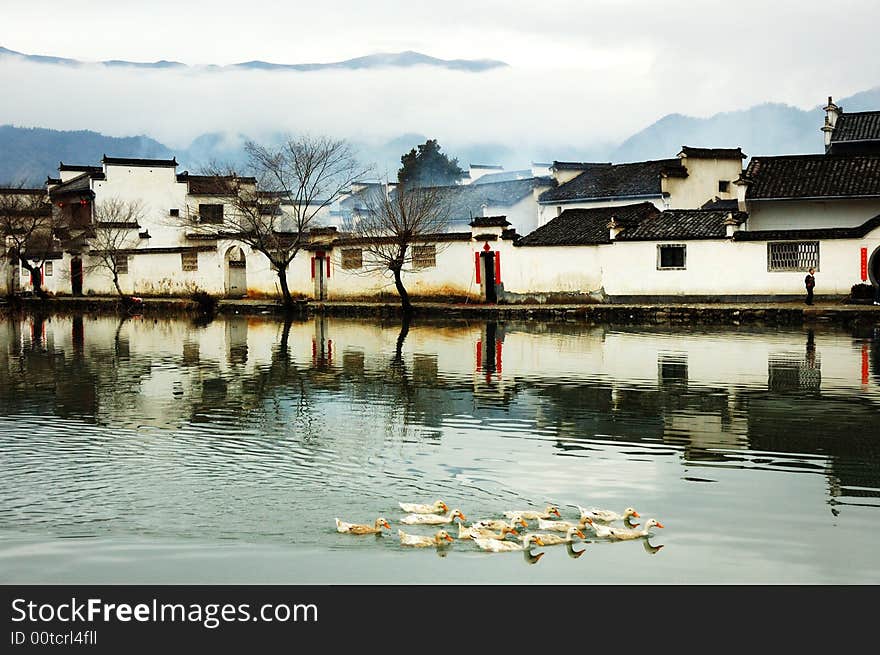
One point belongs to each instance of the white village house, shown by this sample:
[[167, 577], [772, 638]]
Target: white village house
[[694, 227]]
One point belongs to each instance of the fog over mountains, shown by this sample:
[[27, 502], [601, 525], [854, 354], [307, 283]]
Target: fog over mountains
[[378, 60], [481, 111]]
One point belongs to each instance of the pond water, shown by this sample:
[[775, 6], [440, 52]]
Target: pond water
[[169, 451]]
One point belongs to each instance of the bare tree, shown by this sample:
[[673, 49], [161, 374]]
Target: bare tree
[[272, 211], [27, 226], [114, 235], [394, 228]]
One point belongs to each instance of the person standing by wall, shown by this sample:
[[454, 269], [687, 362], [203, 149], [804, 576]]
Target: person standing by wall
[[810, 284]]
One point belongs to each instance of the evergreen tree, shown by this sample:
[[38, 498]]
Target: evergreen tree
[[427, 166]]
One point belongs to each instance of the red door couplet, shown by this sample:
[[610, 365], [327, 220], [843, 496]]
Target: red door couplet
[[864, 264]]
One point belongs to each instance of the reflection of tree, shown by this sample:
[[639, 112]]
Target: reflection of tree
[[99, 379]]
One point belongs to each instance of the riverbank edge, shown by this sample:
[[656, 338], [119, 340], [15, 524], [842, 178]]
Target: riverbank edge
[[780, 313]]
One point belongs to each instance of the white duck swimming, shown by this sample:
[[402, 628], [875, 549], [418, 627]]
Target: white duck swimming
[[360, 528], [440, 538], [439, 507], [620, 534], [498, 546], [432, 519], [606, 515], [474, 532], [550, 510], [497, 524], [555, 539], [560, 526]]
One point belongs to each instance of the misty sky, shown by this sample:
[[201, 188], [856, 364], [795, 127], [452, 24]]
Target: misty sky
[[583, 70]]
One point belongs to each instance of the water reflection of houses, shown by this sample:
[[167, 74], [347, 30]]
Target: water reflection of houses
[[716, 397]]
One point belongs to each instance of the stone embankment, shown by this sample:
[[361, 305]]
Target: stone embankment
[[641, 313]]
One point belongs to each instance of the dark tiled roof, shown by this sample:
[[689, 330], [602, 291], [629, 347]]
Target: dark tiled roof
[[125, 161], [577, 165], [466, 201], [859, 126], [681, 224], [490, 221], [53, 180], [712, 153], [118, 225], [76, 184], [583, 227], [504, 176], [488, 167], [206, 185], [79, 168], [816, 233], [637, 179], [721, 205], [813, 176]]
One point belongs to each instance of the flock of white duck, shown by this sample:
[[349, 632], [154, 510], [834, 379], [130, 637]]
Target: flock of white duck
[[492, 534]]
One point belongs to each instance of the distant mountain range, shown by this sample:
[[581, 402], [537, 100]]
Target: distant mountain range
[[767, 129], [379, 60], [30, 154]]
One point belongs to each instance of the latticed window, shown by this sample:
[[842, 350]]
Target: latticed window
[[671, 256], [210, 213], [793, 256], [189, 261], [352, 258], [122, 264], [47, 269], [424, 256]]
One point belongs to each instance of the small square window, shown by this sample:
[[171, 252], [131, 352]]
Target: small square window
[[723, 186], [174, 212], [211, 213], [122, 264], [424, 256], [189, 261], [47, 269], [352, 258], [671, 256]]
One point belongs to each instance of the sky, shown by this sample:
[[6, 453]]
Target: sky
[[585, 70]]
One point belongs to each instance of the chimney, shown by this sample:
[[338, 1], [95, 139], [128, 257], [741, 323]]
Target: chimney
[[730, 225], [614, 228], [832, 113]]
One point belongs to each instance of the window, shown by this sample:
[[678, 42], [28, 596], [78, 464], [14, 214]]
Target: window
[[211, 213], [723, 186], [424, 256], [352, 258], [671, 256], [558, 210], [121, 264], [793, 256], [189, 261], [174, 212], [47, 269]]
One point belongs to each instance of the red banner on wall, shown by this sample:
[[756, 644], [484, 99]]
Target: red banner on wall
[[864, 264]]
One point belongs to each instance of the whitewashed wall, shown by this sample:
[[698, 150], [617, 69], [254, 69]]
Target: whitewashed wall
[[558, 269], [157, 191], [805, 214], [522, 215], [454, 274], [725, 267], [701, 184]]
